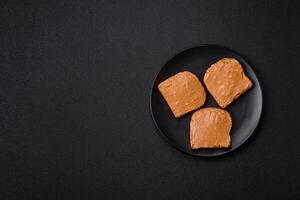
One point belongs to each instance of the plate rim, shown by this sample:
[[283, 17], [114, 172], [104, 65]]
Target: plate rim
[[160, 132]]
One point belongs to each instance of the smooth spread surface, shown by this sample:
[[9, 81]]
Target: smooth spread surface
[[183, 93], [226, 81], [210, 128]]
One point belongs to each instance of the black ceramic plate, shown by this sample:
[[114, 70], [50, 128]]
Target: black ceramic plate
[[245, 110]]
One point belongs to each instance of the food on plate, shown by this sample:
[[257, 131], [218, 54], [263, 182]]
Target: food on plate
[[183, 93], [226, 81], [210, 128]]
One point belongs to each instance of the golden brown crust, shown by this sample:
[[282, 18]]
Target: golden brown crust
[[210, 128], [226, 81], [183, 92]]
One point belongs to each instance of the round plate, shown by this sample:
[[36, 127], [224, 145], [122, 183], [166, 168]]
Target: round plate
[[245, 110]]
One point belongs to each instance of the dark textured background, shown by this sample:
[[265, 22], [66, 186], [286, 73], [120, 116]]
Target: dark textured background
[[75, 78]]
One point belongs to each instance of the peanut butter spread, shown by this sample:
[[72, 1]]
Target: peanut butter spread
[[210, 128], [226, 81], [183, 92]]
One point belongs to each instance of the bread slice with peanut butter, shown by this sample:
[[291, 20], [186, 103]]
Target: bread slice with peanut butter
[[210, 128], [183, 92], [226, 81]]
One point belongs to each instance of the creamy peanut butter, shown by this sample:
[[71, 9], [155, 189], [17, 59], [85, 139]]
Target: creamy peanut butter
[[183, 92], [226, 81], [210, 128]]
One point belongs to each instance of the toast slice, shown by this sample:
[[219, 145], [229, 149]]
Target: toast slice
[[183, 92], [210, 128], [226, 81]]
